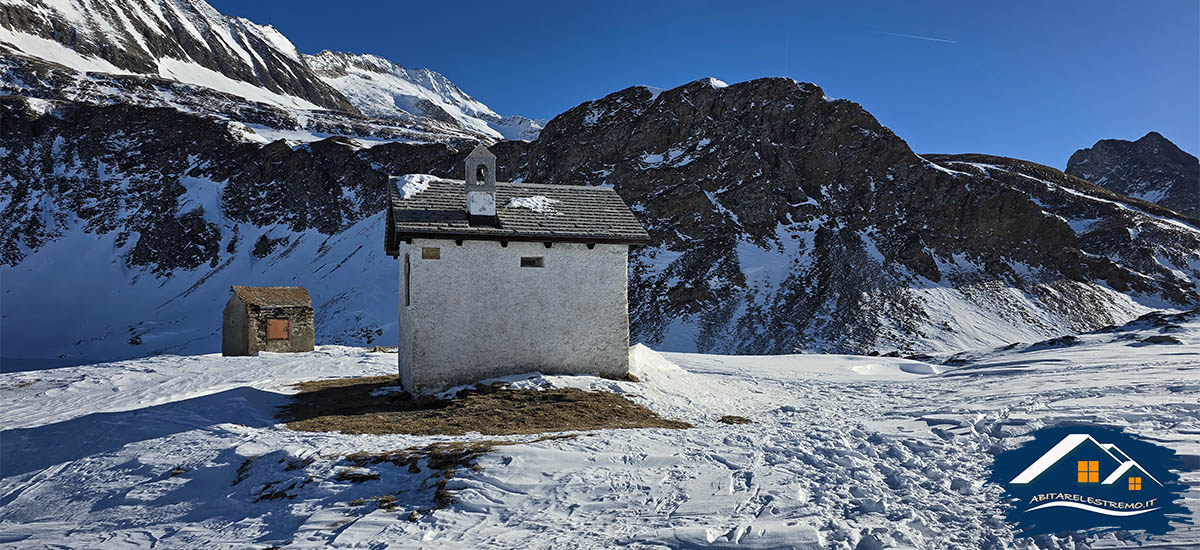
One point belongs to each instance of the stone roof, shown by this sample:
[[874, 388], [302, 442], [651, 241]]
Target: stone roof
[[524, 211], [273, 296]]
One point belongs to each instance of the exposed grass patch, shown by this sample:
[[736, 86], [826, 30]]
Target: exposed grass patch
[[19, 385], [731, 419], [384, 502], [346, 405], [1161, 339]]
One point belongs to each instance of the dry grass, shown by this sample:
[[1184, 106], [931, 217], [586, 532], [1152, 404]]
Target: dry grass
[[731, 419], [19, 385], [346, 405]]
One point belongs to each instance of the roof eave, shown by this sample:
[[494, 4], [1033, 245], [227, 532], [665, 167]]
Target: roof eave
[[408, 236]]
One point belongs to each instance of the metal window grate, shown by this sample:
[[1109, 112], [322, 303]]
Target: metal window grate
[[533, 261]]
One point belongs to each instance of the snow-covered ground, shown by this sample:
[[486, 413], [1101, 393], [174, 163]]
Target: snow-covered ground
[[841, 452]]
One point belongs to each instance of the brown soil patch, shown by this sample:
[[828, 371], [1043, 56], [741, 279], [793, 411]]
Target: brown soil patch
[[346, 405], [731, 419]]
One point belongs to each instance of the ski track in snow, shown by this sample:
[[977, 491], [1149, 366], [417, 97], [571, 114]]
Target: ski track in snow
[[842, 451]]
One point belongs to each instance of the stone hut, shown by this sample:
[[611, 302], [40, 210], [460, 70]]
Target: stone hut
[[267, 318], [507, 278]]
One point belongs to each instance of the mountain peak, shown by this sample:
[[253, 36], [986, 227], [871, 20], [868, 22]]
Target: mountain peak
[[783, 221], [195, 47], [384, 89], [1154, 136], [1152, 168], [184, 40]]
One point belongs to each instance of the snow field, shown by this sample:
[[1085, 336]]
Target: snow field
[[841, 452]]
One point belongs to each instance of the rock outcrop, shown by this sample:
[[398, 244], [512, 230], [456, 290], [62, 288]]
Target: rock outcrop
[[1151, 168], [786, 221], [782, 220]]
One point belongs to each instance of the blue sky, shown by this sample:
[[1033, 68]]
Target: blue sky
[[1028, 79]]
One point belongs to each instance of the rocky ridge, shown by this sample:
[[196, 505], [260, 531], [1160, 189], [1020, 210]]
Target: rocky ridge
[[786, 221], [782, 220], [185, 55], [1150, 168], [383, 89]]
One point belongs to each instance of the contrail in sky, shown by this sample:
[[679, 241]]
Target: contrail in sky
[[917, 37]]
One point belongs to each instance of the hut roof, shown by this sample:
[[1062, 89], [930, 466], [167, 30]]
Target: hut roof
[[273, 296], [525, 211]]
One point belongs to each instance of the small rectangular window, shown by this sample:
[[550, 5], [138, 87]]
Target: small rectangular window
[[407, 282], [1089, 471], [1135, 484], [277, 329], [532, 261], [429, 253]]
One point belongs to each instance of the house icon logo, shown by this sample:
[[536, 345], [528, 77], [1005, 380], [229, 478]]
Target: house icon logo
[[1090, 478]]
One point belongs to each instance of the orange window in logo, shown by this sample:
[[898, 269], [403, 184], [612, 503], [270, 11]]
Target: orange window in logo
[[1135, 484], [1089, 471]]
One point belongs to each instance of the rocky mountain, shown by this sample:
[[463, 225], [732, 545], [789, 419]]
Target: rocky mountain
[[132, 196], [383, 89], [783, 221], [1151, 168], [185, 55], [786, 221], [125, 224], [183, 40]]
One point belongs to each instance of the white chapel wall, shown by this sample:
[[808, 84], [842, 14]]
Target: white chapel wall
[[475, 313]]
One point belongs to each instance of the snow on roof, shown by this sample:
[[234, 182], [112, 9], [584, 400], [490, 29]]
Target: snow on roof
[[536, 203], [411, 184], [582, 214]]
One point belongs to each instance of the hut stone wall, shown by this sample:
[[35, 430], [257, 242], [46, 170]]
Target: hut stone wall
[[300, 329], [276, 319]]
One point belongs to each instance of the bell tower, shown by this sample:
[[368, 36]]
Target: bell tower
[[481, 186]]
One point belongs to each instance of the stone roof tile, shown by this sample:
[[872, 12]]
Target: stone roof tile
[[273, 296], [575, 213]]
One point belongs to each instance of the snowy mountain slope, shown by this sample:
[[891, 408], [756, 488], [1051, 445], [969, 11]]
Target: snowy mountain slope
[[841, 452], [183, 40], [256, 116], [783, 221], [383, 89], [168, 213], [1150, 168], [827, 234], [185, 55]]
